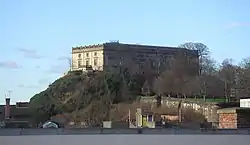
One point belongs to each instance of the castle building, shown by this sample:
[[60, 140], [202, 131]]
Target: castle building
[[135, 57]]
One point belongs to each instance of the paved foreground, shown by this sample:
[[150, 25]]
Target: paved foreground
[[126, 140]]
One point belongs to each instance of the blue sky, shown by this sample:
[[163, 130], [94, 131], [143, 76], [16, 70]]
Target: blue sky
[[37, 35]]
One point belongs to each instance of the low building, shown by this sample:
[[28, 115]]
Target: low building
[[234, 118], [144, 118], [15, 116]]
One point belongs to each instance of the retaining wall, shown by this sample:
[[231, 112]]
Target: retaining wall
[[209, 110]]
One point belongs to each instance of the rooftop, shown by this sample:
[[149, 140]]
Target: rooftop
[[233, 110], [131, 45]]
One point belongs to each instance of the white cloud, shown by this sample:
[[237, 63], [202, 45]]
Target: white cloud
[[26, 86], [30, 53], [9, 65], [238, 24]]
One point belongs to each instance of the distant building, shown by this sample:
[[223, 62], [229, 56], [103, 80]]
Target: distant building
[[17, 115], [245, 103], [135, 57]]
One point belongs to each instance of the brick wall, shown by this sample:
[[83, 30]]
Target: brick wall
[[234, 118], [228, 120]]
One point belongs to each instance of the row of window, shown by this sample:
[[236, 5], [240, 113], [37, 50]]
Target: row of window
[[87, 62], [87, 54]]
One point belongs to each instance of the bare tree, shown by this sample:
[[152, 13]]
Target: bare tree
[[227, 73], [242, 86], [174, 79], [245, 63], [209, 66], [164, 83], [243, 81], [203, 52], [193, 87]]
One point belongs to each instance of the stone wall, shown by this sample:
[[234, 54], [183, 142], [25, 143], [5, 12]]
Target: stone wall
[[209, 110]]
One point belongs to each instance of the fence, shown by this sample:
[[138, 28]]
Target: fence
[[64, 131]]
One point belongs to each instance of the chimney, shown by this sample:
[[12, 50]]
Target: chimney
[[7, 108]]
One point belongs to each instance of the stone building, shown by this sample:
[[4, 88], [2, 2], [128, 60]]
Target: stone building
[[135, 57]]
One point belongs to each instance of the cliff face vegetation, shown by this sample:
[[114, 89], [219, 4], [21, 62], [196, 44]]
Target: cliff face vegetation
[[92, 94]]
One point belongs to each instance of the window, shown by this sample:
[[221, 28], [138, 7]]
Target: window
[[79, 64], [167, 62], [111, 57], [87, 62], [95, 62], [121, 61], [79, 55], [150, 118], [140, 65], [95, 53], [152, 64], [87, 54]]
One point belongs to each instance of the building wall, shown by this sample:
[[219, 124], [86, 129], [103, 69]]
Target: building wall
[[87, 56], [142, 57], [117, 55], [228, 120], [232, 118]]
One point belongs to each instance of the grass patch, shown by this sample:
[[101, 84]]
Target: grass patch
[[216, 100]]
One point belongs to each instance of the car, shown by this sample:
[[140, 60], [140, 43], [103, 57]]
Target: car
[[50, 124]]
